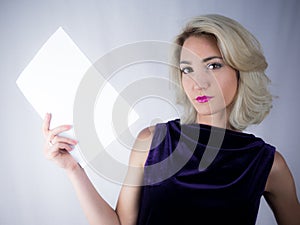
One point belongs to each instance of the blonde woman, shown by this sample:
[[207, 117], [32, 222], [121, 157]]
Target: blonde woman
[[222, 86]]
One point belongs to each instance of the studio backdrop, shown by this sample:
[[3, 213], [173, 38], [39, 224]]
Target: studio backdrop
[[34, 190]]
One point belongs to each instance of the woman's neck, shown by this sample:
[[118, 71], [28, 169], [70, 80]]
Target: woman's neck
[[220, 120]]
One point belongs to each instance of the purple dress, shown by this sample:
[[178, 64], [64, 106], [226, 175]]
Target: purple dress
[[198, 174]]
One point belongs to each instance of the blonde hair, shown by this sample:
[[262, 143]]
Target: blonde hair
[[240, 50]]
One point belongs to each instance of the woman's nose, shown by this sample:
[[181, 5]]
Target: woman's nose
[[201, 81], [202, 86]]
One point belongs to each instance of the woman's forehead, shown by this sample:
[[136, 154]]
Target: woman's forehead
[[199, 48]]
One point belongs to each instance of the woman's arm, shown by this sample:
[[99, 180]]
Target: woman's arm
[[96, 209], [130, 191], [280, 193]]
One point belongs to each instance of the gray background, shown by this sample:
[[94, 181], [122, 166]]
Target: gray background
[[33, 190]]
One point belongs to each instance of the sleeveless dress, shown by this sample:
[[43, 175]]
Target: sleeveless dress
[[179, 190]]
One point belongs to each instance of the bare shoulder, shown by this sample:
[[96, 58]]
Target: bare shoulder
[[146, 132], [279, 163], [142, 146], [280, 192], [279, 172], [128, 202]]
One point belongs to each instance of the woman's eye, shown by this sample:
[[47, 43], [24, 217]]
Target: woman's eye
[[187, 70], [213, 66]]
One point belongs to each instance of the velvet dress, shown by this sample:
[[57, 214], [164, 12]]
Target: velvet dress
[[198, 174]]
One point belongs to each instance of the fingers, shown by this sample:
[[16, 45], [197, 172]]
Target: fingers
[[46, 124], [57, 149], [54, 142], [56, 131], [59, 139], [54, 147], [51, 134]]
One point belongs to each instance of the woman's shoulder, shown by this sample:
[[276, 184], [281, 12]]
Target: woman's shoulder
[[146, 132], [280, 192], [141, 147], [278, 174], [144, 140]]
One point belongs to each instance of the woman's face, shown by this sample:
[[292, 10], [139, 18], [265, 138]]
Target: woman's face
[[209, 83]]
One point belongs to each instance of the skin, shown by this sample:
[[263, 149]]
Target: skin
[[204, 73], [206, 79], [95, 207]]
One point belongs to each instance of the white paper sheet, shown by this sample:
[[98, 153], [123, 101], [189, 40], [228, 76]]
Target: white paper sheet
[[50, 82]]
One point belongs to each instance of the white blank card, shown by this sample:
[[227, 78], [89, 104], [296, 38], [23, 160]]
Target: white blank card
[[51, 79]]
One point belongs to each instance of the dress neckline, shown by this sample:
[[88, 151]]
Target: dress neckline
[[214, 128]]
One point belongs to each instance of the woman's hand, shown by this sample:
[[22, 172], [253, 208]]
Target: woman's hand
[[57, 148]]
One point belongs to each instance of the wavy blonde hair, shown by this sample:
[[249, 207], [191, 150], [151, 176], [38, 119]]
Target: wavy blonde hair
[[240, 50]]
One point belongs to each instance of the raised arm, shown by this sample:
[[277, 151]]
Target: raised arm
[[96, 209], [280, 193]]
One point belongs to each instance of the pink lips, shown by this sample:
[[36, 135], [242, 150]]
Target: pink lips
[[203, 99]]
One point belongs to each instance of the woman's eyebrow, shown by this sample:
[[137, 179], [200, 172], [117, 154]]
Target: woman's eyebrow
[[185, 62], [210, 58], [203, 60]]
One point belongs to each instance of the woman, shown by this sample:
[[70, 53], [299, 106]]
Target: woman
[[222, 86]]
